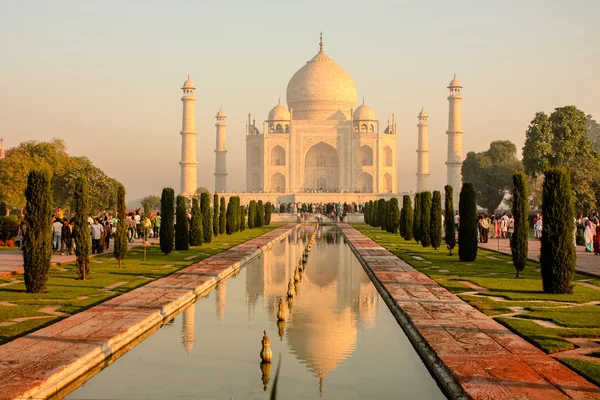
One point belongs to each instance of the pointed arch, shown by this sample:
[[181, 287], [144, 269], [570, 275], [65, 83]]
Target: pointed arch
[[388, 156], [365, 156], [387, 183], [365, 182], [277, 156], [278, 183]]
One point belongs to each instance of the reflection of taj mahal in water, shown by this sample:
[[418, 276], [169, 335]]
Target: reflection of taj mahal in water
[[334, 300]]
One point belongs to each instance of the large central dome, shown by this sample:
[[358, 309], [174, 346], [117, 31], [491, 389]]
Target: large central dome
[[320, 89]]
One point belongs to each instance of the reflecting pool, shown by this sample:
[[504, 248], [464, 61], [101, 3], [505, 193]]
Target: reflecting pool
[[339, 340]]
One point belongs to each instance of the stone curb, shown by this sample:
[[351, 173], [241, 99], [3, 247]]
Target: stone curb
[[67, 370]]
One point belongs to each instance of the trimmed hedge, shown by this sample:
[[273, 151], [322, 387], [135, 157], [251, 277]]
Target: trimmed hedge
[[207, 229], [182, 234], [167, 227], [406, 218], [222, 216], [215, 215], [416, 227], [425, 219], [435, 220], [449, 228], [519, 240], [196, 227], [120, 246], [467, 229]]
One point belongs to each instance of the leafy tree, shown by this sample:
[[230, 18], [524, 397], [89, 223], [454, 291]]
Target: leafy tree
[[260, 214], [182, 234], [491, 172], [593, 130], [425, 200], [167, 228], [243, 221], [406, 218], [206, 217], [37, 248], [230, 218], [449, 228], [383, 216], [222, 216], [268, 210], [467, 229], [520, 210], [557, 258], [200, 190], [435, 220], [152, 202], [416, 228], [251, 214], [120, 245], [196, 227], [561, 140], [216, 215], [393, 215]]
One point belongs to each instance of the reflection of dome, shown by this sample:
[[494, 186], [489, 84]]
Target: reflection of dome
[[279, 113], [320, 88], [364, 113]]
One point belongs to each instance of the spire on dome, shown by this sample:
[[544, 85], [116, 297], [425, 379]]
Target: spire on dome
[[321, 41], [363, 99]]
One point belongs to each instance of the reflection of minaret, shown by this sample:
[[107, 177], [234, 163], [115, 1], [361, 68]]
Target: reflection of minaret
[[189, 165], [454, 132], [422, 153], [220, 155], [187, 328], [221, 298]]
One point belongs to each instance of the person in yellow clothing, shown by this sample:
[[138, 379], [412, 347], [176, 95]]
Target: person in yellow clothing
[[60, 214], [485, 228]]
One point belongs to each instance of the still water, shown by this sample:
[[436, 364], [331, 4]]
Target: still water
[[339, 340]]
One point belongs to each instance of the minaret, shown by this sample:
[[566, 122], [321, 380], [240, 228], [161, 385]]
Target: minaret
[[422, 153], [220, 154], [454, 132], [2, 154], [189, 165]]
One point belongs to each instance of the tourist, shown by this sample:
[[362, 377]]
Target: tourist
[[130, 228], [56, 234], [504, 226], [138, 220], [597, 240], [497, 228], [511, 226], [588, 235], [157, 225], [538, 227], [96, 230], [60, 214], [21, 234], [107, 232], [67, 238], [456, 221], [146, 226], [485, 227]]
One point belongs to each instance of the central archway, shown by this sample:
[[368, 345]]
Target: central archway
[[322, 168]]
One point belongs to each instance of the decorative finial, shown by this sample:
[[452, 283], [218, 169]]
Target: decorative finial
[[363, 100], [321, 41], [278, 100], [220, 108], [422, 108], [455, 75], [188, 77]]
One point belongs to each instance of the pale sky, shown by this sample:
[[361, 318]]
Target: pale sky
[[105, 76]]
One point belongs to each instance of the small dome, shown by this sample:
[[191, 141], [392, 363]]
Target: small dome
[[364, 113], [423, 113], [221, 114], [454, 83], [279, 113], [188, 84]]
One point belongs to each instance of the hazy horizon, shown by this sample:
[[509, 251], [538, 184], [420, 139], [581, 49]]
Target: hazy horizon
[[107, 79]]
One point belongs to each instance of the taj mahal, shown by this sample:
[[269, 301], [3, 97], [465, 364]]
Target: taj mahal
[[321, 147]]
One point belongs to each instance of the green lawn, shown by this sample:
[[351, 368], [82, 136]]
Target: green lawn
[[587, 369], [495, 272], [70, 295]]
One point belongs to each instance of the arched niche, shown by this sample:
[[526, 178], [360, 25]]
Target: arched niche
[[365, 182], [278, 183], [365, 156], [277, 156], [388, 156]]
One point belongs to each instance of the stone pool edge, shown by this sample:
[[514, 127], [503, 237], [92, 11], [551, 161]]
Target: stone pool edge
[[42, 363]]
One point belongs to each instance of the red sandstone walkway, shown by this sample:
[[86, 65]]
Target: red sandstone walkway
[[587, 263], [42, 363], [472, 355]]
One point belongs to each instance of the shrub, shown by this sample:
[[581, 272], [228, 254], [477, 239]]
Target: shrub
[[167, 228], [37, 248], [435, 221], [519, 245], [365, 211], [216, 215], [406, 225], [182, 234], [425, 199], [81, 227], [416, 227], [196, 228], [558, 257], [252, 214], [238, 214], [393, 215], [120, 246], [9, 227], [243, 218], [268, 210], [383, 214], [222, 216], [373, 212], [467, 230], [449, 228], [207, 229], [260, 214], [230, 216]]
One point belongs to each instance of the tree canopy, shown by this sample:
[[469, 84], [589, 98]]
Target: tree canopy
[[491, 172]]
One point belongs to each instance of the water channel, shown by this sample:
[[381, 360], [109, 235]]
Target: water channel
[[339, 341]]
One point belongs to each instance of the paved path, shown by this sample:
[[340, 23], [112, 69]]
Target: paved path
[[40, 364], [473, 356], [587, 263], [11, 261]]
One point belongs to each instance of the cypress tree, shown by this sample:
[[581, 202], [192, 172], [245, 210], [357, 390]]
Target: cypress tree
[[378, 214], [243, 220], [182, 234], [238, 214], [207, 228], [260, 214], [167, 228], [373, 212], [251, 214], [230, 216], [268, 210], [406, 226], [449, 228], [416, 227], [81, 227], [37, 248], [383, 217], [425, 199], [558, 257], [120, 246], [393, 215], [215, 220], [520, 210], [366, 213], [467, 230], [196, 233], [222, 216], [435, 221]]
